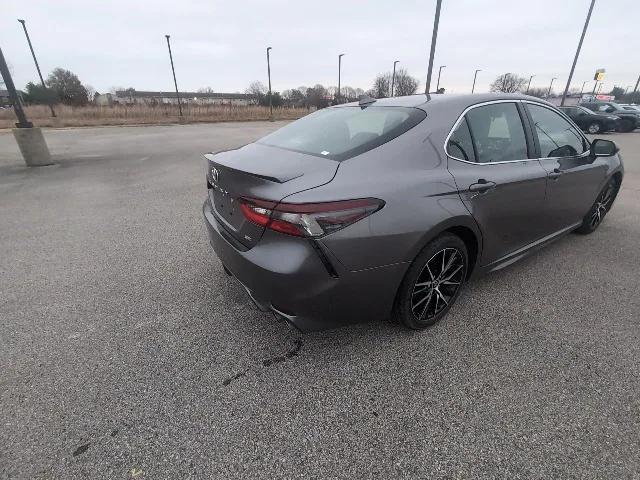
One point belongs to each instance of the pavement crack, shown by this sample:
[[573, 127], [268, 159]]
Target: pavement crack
[[235, 377], [81, 449], [297, 346]]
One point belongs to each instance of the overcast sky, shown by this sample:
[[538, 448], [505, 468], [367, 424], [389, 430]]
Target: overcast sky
[[222, 44]]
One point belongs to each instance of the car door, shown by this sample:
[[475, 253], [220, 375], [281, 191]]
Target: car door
[[574, 177], [488, 155]]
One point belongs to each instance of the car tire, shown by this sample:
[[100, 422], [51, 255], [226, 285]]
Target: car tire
[[432, 283], [626, 126], [594, 128], [599, 209]]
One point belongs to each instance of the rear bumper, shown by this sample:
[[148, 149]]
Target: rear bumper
[[288, 276]]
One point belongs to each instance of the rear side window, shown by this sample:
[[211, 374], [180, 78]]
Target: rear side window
[[497, 133], [460, 144], [344, 132], [556, 136]]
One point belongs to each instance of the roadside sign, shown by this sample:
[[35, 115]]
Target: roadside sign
[[599, 76]]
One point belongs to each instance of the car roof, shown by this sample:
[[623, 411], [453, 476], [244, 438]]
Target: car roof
[[423, 101]]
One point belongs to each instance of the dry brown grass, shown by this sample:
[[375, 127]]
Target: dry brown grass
[[142, 114]]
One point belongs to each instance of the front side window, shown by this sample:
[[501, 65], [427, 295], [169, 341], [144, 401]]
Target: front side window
[[497, 133], [556, 136], [344, 132]]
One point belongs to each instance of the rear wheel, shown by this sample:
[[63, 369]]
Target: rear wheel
[[626, 126], [594, 127], [596, 214], [432, 283]]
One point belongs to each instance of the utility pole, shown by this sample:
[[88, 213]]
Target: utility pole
[[434, 37], [551, 85], [35, 60], [575, 59], [474, 80], [339, 72], [529, 85], [175, 82], [393, 78], [582, 89], [269, 75], [439, 72], [635, 89]]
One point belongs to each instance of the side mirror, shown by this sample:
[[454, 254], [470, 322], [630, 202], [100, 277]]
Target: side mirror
[[603, 148]]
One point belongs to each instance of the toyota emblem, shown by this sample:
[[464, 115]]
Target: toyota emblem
[[215, 174]]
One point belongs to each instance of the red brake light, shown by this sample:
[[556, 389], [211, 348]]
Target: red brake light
[[308, 219]]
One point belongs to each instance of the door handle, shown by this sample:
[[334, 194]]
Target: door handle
[[555, 174], [482, 186]]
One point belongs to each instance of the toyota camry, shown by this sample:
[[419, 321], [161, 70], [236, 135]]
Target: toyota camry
[[384, 209]]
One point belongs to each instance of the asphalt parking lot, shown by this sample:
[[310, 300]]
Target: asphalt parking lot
[[126, 351]]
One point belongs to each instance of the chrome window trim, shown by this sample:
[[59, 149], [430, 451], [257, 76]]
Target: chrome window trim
[[491, 102]]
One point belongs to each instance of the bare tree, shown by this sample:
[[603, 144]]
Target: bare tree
[[404, 84], [256, 89], [205, 90], [537, 92], [508, 83], [382, 85], [91, 92]]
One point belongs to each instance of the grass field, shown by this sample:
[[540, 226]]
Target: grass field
[[68, 116]]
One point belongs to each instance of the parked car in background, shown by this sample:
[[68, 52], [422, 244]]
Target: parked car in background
[[591, 122], [385, 208], [629, 119], [627, 106]]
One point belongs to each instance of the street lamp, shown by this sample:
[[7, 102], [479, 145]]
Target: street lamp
[[529, 84], [393, 78], [582, 89], [269, 75], [635, 89], [575, 59], [175, 82], [439, 72], [474, 80], [551, 85], [599, 87], [434, 37], [33, 54], [339, 69]]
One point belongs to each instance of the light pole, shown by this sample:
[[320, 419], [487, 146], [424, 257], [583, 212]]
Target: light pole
[[582, 89], [551, 85], [269, 75], [599, 87], [434, 37], [439, 72], [575, 59], [393, 78], [529, 84], [635, 89], [594, 88], [474, 80], [339, 70], [33, 54], [175, 82]]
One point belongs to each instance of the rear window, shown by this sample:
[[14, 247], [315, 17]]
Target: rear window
[[344, 132]]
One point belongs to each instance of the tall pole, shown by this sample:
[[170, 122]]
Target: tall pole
[[33, 54], [551, 85], [13, 94], [439, 72], [175, 82], [473, 87], [599, 87], [269, 75], [575, 59], [594, 88], [582, 89], [339, 70], [635, 89], [434, 37], [529, 84], [393, 78]]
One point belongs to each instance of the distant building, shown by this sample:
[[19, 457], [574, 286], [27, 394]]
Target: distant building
[[103, 99], [130, 97]]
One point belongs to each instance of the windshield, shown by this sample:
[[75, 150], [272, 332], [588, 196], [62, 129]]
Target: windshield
[[344, 132]]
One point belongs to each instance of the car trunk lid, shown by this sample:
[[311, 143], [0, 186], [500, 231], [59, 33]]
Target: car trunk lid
[[263, 172]]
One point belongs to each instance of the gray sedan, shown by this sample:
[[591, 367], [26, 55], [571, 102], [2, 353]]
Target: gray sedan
[[385, 208]]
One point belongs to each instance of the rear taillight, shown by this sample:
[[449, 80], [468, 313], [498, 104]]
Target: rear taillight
[[308, 219]]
